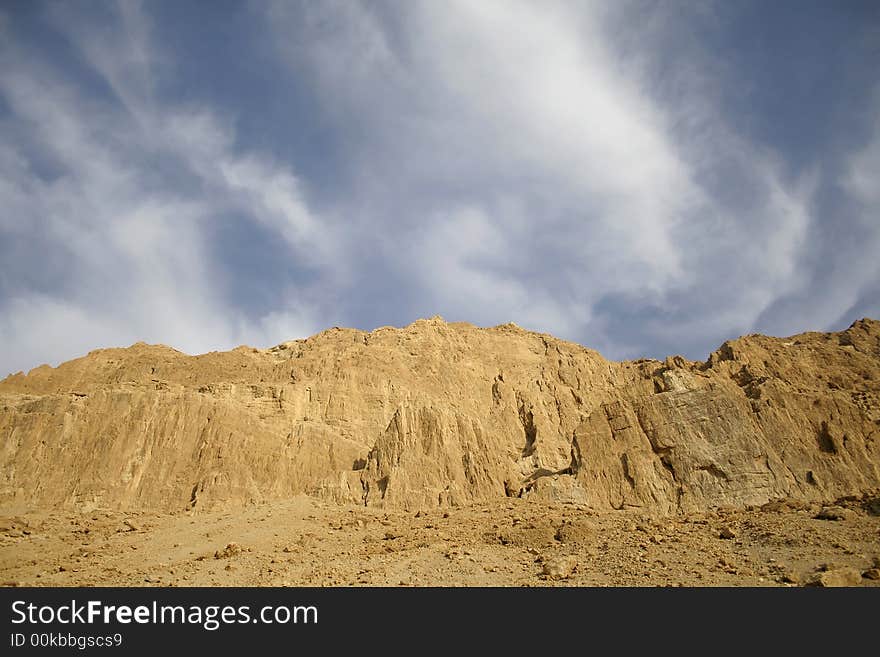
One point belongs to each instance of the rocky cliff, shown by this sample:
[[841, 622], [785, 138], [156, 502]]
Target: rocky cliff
[[445, 414]]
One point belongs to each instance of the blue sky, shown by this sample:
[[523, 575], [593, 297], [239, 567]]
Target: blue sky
[[645, 178]]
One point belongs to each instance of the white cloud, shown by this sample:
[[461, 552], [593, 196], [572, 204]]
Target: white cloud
[[864, 172], [133, 248], [451, 257], [618, 192], [861, 270], [43, 329], [497, 161]]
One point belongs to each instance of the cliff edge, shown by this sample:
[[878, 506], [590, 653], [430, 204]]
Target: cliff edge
[[441, 413]]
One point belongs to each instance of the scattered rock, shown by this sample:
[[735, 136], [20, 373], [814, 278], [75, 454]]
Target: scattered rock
[[231, 550], [872, 573], [835, 578], [560, 567], [727, 566], [833, 513], [789, 577], [726, 533]]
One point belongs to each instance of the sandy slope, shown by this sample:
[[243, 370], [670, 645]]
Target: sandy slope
[[308, 542]]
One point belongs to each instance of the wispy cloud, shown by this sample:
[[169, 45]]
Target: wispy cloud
[[573, 167], [595, 207], [124, 215]]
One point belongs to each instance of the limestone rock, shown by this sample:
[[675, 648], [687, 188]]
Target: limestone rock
[[833, 513], [231, 550], [444, 414], [726, 533], [837, 577], [559, 567]]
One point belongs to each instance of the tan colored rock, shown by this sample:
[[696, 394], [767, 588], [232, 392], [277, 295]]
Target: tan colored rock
[[560, 567], [836, 578], [231, 550], [440, 414], [833, 513], [726, 533]]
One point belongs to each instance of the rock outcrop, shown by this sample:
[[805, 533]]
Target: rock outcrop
[[447, 414]]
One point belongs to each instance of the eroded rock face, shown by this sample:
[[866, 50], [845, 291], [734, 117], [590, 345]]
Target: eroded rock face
[[443, 414]]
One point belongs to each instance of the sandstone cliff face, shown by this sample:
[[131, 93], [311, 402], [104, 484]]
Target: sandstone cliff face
[[445, 414]]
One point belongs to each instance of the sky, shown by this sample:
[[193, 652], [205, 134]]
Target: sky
[[641, 177]]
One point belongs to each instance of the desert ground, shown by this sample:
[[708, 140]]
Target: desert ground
[[308, 542]]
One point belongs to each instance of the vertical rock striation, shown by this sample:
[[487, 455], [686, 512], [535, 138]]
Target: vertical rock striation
[[443, 414]]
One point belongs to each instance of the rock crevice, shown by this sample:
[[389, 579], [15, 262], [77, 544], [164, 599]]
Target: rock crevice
[[447, 414]]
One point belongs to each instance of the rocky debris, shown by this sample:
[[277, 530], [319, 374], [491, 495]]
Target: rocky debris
[[231, 550], [771, 549], [727, 566], [872, 506], [836, 577], [833, 513], [775, 506], [15, 527], [559, 567], [789, 577], [726, 533], [871, 573], [580, 531]]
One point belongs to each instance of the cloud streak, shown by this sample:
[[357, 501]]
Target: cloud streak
[[597, 197], [573, 167], [135, 187]]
